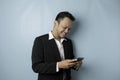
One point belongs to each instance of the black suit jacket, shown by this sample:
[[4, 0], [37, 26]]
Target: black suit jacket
[[45, 55]]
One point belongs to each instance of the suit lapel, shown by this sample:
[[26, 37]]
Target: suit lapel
[[65, 49], [55, 49]]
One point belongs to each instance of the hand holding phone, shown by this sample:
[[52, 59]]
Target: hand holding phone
[[79, 63]]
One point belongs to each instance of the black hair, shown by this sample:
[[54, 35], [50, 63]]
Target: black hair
[[64, 14]]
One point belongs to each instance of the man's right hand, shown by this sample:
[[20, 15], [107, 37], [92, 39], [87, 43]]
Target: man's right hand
[[66, 64]]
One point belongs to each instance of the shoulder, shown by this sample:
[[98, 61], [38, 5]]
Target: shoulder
[[41, 38]]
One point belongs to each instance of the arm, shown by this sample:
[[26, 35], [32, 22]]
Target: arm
[[38, 63]]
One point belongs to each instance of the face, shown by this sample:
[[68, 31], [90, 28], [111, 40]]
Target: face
[[63, 27]]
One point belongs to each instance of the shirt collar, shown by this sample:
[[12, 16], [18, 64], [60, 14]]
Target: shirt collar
[[52, 37]]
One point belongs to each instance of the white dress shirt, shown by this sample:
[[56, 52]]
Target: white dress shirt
[[60, 47]]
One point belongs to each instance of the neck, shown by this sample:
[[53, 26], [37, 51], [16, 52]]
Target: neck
[[55, 36]]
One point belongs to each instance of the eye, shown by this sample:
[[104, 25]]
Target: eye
[[69, 29], [64, 27]]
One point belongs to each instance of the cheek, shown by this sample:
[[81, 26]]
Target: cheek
[[60, 30]]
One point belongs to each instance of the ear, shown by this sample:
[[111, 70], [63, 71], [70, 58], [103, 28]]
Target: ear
[[55, 23]]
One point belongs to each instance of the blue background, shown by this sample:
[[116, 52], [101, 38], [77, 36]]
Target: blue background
[[95, 35]]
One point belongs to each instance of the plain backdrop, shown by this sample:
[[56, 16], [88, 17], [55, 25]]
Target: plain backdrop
[[95, 35]]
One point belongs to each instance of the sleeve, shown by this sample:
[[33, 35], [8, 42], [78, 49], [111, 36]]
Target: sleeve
[[57, 69], [38, 63]]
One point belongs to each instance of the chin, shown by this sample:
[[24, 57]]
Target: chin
[[62, 36]]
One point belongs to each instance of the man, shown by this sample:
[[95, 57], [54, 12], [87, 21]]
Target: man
[[52, 54]]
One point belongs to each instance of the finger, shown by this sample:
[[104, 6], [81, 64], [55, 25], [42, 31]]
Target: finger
[[73, 60], [72, 64]]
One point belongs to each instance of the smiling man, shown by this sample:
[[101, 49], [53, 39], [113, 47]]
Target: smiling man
[[52, 53]]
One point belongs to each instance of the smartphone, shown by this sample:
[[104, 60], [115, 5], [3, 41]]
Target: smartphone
[[80, 58]]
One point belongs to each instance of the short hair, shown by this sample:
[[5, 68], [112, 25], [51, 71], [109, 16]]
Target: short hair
[[64, 14]]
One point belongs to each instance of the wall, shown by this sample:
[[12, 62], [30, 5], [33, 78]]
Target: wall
[[95, 34]]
